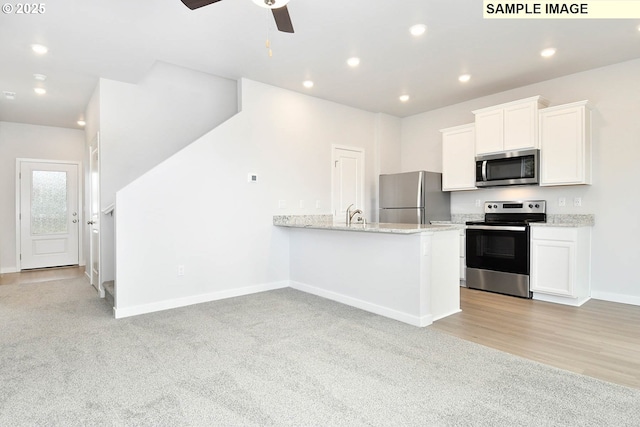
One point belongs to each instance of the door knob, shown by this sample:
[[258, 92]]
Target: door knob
[[74, 221], [90, 222]]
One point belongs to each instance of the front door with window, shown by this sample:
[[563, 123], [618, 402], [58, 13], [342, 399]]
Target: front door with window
[[49, 215]]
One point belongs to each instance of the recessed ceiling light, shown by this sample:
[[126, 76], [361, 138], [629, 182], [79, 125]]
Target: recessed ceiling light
[[308, 84], [9, 95], [271, 4], [353, 62], [418, 29], [81, 123], [40, 77], [40, 90], [464, 78], [404, 98], [546, 53], [39, 49]]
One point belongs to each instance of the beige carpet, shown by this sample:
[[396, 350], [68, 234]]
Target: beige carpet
[[275, 358]]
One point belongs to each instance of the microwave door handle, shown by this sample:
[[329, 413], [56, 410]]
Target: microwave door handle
[[484, 171]]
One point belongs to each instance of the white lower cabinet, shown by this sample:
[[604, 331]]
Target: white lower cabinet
[[560, 264]]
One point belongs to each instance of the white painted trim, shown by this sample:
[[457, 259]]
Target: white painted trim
[[8, 270], [620, 298], [120, 313], [79, 208], [442, 316], [575, 302], [363, 305]]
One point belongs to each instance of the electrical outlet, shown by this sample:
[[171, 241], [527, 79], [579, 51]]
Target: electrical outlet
[[301, 204], [181, 270], [577, 201], [282, 204], [562, 202], [317, 204], [478, 203]]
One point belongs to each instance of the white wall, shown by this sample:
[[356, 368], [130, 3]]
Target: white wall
[[614, 91], [34, 142], [387, 152], [197, 209], [143, 124]]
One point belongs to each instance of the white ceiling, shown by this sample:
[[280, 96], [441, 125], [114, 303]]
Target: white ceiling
[[121, 39]]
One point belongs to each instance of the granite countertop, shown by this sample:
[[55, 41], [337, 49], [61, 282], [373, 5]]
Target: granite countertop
[[322, 222], [553, 220], [566, 220]]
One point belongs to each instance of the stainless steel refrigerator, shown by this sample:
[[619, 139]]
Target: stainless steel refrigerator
[[413, 198]]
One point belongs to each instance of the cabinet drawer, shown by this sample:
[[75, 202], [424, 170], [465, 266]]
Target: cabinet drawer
[[569, 234]]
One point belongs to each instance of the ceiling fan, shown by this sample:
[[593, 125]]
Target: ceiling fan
[[278, 8]]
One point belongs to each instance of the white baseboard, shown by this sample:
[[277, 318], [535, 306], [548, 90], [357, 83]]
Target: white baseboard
[[611, 297], [363, 305], [8, 270], [442, 316], [123, 312], [575, 302]]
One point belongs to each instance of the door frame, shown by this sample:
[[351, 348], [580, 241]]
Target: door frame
[[96, 282], [363, 179], [19, 162]]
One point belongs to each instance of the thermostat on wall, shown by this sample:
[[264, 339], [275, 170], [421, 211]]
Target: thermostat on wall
[[252, 177]]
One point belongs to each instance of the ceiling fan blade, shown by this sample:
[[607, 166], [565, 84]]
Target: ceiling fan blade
[[283, 20], [194, 4]]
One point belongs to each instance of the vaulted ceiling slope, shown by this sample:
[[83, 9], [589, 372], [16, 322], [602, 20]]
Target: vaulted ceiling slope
[[122, 39]]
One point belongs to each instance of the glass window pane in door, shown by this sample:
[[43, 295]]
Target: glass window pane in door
[[48, 202]]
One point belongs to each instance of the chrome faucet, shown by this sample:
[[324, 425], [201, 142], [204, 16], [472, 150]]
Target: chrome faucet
[[350, 215]]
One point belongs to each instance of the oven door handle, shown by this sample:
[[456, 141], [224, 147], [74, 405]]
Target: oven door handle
[[497, 227]]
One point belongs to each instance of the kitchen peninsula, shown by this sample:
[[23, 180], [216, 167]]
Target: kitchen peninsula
[[406, 272]]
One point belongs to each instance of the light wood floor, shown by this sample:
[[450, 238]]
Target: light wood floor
[[600, 339], [41, 275]]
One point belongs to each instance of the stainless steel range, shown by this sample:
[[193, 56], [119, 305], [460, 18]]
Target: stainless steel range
[[497, 249]]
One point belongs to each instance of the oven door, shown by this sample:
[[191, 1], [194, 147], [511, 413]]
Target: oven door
[[498, 248]]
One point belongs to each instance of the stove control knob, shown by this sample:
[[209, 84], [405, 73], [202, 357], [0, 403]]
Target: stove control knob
[[537, 205], [495, 206], [530, 206], [489, 206]]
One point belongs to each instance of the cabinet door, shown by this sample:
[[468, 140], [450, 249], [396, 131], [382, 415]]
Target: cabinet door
[[553, 266], [490, 131], [458, 158], [521, 126], [565, 147]]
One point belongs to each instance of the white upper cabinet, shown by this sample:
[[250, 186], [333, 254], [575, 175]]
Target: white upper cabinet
[[458, 158], [510, 126], [565, 144]]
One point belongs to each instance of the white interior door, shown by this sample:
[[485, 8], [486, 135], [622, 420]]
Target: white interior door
[[348, 180], [49, 215], [94, 216]]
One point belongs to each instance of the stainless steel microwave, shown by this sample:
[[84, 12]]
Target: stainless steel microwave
[[508, 168]]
